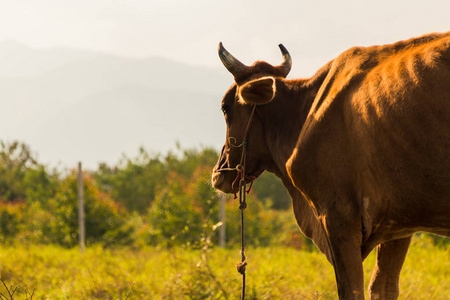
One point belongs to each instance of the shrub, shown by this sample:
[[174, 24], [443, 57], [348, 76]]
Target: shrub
[[184, 210], [104, 218], [173, 219], [11, 216]]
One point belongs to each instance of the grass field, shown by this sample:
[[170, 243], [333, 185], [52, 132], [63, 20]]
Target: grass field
[[50, 272]]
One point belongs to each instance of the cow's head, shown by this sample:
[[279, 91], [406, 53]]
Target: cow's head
[[254, 85]]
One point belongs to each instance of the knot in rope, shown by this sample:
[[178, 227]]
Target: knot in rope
[[242, 205], [241, 267]]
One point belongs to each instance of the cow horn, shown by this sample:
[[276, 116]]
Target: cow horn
[[230, 62], [286, 65]]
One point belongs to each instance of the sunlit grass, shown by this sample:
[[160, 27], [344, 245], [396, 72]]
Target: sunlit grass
[[53, 272]]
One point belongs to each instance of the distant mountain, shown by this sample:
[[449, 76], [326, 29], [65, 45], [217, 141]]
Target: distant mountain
[[18, 60], [72, 105]]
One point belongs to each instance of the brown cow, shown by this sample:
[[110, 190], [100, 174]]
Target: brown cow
[[363, 147]]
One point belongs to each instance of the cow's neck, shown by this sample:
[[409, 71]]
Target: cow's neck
[[284, 117], [283, 123]]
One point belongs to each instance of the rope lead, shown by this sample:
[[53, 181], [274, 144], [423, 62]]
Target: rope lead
[[242, 205]]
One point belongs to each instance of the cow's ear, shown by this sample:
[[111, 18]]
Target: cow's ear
[[258, 91]]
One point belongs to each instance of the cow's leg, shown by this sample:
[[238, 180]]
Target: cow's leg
[[345, 244], [385, 277]]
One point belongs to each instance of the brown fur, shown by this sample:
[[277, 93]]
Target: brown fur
[[363, 148]]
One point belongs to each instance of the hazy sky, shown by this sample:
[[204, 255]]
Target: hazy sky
[[189, 30]]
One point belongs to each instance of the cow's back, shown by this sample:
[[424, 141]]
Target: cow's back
[[399, 115]]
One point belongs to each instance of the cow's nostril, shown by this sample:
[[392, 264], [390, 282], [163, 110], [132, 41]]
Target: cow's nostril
[[223, 159], [222, 163]]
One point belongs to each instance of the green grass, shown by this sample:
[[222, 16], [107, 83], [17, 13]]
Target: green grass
[[51, 272]]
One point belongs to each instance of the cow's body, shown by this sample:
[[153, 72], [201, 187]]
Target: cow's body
[[379, 133], [363, 147]]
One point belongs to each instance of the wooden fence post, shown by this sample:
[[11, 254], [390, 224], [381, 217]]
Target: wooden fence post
[[81, 228], [222, 218]]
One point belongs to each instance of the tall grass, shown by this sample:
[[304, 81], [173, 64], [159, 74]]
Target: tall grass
[[51, 272]]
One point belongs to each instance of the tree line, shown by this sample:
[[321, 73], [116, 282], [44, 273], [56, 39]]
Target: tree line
[[150, 199], [146, 200]]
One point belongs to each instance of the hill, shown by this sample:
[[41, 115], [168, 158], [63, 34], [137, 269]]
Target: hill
[[74, 105]]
